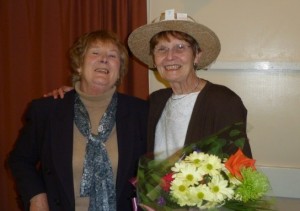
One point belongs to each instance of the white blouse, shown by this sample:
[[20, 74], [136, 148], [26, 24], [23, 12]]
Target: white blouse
[[172, 126]]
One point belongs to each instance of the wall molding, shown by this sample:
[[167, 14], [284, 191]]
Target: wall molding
[[263, 65]]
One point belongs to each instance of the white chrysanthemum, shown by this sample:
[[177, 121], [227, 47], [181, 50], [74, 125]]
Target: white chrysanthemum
[[179, 190], [196, 158], [212, 165], [219, 187], [233, 181], [189, 174], [199, 194], [198, 181], [178, 166]]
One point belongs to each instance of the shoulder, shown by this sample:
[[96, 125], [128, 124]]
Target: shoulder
[[219, 92], [220, 97], [46, 104], [131, 101], [160, 94]]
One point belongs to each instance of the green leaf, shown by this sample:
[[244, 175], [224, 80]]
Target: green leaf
[[234, 133], [240, 142]]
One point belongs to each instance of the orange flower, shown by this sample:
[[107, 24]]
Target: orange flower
[[238, 161]]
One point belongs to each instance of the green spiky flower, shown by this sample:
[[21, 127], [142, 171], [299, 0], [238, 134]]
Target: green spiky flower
[[254, 185]]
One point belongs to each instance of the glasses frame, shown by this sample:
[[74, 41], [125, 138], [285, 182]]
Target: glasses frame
[[177, 49]]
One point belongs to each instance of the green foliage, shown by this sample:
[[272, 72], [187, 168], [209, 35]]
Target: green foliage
[[231, 137]]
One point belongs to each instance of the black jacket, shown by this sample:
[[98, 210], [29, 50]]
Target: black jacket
[[46, 141]]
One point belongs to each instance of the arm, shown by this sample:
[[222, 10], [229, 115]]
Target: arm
[[25, 157], [216, 108], [234, 111]]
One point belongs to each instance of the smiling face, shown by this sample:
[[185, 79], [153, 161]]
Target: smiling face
[[99, 60], [100, 68], [175, 57]]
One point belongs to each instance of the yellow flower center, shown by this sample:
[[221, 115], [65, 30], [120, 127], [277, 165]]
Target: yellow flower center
[[200, 195], [209, 166], [181, 188], [216, 189], [189, 177], [196, 161]]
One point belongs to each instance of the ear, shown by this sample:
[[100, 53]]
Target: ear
[[153, 60], [197, 58], [78, 71]]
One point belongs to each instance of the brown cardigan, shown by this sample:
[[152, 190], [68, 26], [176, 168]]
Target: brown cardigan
[[216, 107]]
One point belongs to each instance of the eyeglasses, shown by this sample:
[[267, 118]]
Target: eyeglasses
[[177, 49]]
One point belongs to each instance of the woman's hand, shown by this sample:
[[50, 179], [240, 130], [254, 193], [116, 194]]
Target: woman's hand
[[39, 203], [60, 92]]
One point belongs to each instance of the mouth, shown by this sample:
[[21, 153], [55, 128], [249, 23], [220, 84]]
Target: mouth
[[102, 70], [172, 67]]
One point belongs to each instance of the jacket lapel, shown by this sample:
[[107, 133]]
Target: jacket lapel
[[197, 122]]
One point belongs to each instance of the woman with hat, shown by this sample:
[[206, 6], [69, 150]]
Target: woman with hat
[[192, 108]]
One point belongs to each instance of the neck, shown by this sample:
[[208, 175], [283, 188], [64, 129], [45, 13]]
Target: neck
[[83, 90], [195, 84]]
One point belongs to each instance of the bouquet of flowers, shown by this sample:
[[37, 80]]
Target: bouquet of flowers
[[204, 176]]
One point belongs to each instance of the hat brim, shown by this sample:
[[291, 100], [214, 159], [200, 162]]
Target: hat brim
[[139, 40]]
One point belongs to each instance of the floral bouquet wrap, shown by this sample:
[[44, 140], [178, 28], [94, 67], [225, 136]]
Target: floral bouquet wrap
[[203, 176]]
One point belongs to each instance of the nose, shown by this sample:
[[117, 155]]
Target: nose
[[103, 58], [170, 53]]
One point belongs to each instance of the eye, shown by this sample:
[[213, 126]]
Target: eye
[[161, 49], [113, 55], [180, 47], [95, 52]]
